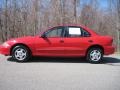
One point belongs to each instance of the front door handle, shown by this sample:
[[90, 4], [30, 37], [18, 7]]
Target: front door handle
[[90, 41]]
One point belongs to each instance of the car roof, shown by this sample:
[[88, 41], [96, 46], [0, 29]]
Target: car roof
[[76, 25]]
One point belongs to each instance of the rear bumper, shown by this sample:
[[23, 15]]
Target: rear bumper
[[109, 50], [4, 50]]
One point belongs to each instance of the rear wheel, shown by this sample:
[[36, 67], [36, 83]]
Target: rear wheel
[[21, 53], [94, 55]]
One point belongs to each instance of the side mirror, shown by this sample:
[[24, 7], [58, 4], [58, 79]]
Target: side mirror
[[43, 35]]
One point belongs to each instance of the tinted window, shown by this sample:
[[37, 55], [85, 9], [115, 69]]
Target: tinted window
[[85, 33], [55, 32]]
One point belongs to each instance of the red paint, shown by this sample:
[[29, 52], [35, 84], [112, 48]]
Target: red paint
[[63, 46]]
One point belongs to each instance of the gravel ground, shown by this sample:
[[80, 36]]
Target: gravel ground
[[60, 74]]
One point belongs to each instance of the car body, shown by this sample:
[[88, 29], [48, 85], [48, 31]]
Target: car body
[[61, 41]]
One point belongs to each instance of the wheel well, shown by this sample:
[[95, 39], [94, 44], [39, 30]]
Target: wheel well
[[95, 46], [21, 45]]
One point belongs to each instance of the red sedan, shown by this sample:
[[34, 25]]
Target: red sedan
[[60, 41]]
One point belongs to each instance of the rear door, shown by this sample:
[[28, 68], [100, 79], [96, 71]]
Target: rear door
[[76, 41]]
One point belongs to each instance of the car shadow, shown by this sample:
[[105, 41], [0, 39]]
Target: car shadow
[[106, 60]]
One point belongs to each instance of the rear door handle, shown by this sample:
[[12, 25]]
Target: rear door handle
[[62, 41], [90, 41]]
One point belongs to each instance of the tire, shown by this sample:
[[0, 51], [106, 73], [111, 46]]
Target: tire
[[94, 55], [21, 53]]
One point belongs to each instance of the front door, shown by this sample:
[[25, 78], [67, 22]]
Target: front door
[[51, 44]]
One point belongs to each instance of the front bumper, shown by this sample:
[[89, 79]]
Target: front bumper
[[4, 50], [109, 50]]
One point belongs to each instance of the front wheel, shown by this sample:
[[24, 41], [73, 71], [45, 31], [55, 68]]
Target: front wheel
[[94, 55], [20, 53]]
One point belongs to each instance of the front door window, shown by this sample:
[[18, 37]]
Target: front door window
[[55, 32]]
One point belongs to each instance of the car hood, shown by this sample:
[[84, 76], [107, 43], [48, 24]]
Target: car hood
[[26, 39]]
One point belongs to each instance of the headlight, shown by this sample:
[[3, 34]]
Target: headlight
[[5, 44]]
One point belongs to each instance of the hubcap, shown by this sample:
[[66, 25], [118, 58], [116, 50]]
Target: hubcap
[[20, 54], [95, 55]]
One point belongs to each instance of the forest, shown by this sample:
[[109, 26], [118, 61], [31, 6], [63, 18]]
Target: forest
[[30, 17]]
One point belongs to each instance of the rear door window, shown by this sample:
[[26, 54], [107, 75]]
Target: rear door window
[[74, 32]]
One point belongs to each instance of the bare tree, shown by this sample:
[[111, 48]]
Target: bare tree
[[118, 10], [28, 17], [6, 18]]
